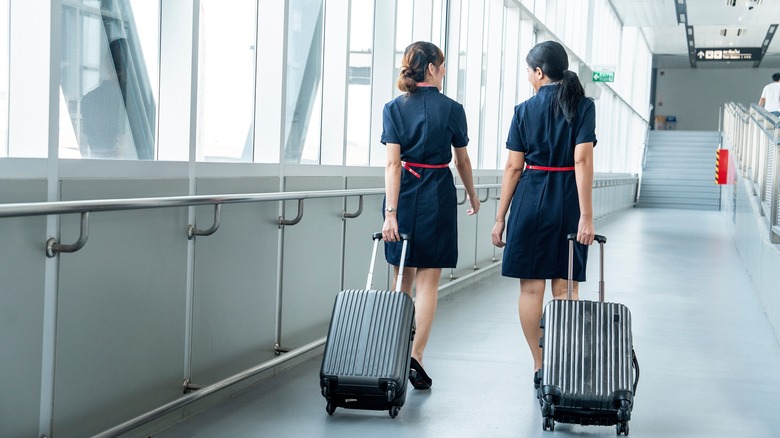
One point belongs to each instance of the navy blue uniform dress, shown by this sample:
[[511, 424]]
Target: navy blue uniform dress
[[545, 206], [427, 124]]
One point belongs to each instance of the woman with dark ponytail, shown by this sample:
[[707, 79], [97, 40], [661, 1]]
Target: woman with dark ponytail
[[421, 129], [547, 187]]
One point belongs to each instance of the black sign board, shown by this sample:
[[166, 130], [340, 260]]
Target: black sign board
[[728, 54]]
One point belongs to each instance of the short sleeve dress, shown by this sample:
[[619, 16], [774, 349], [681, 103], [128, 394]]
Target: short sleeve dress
[[545, 205], [427, 124]]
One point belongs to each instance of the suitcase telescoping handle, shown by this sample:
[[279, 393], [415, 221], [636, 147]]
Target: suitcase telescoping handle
[[377, 237], [570, 284]]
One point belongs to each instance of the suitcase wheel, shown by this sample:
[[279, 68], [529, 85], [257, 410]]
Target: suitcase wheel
[[394, 411], [622, 427], [548, 423], [390, 393]]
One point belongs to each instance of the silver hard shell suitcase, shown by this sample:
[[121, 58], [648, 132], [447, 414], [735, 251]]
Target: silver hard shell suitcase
[[589, 369], [368, 350]]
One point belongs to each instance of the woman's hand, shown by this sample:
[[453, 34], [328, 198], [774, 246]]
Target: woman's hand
[[585, 231], [474, 202], [390, 228], [497, 234]]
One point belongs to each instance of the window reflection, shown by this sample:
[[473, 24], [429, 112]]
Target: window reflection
[[304, 81], [106, 86], [226, 71]]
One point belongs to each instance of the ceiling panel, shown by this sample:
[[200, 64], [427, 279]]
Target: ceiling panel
[[646, 12], [710, 20]]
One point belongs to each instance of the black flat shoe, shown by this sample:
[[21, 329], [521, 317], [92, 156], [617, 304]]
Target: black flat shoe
[[417, 376]]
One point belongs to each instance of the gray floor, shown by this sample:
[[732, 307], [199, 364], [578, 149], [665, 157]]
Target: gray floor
[[708, 356]]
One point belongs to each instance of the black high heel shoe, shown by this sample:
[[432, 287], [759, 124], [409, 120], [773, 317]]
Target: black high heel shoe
[[417, 376]]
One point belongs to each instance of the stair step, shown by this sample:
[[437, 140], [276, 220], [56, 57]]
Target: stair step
[[679, 171]]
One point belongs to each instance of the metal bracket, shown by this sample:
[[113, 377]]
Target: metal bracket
[[345, 215], [52, 247], [188, 387], [465, 197], [283, 221], [192, 231], [487, 196], [278, 349]]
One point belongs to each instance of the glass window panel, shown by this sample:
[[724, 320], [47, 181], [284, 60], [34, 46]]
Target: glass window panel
[[403, 36], [495, 65], [438, 30], [226, 80], [108, 89], [4, 68], [462, 53], [304, 81], [512, 70], [361, 42]]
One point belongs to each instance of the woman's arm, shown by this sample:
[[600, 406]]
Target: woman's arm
[[463, 164], [512, 172], [583, 172], [393, 171]]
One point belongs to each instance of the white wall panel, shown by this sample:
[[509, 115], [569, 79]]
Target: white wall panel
[[22, 241], [120, 309], [235, 271]]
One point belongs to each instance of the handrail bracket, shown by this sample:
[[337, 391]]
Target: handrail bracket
[[192, 231], [283, 221], [188, 387], [52, 247], [345, 215]]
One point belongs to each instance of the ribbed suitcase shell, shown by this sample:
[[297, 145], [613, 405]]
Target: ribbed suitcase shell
[[587, 359], [368, 347]]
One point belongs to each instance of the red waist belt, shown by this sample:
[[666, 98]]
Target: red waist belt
[[550, 169], [408, 166]]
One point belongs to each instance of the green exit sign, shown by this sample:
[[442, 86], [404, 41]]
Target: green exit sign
[[603, 76]]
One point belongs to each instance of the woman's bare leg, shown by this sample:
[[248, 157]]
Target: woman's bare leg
[[530, 309], [426, 299], [560, 289]]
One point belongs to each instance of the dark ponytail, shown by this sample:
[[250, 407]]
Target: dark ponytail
[[415, 61], [551, 57], [570, 94]]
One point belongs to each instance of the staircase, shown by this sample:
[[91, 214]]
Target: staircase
[[679, 171]]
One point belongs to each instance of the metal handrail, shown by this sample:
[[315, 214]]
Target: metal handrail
[[65, 207], [755, 135]]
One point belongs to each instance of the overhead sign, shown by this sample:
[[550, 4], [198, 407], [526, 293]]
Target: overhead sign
[[728, 54], [603, 76]]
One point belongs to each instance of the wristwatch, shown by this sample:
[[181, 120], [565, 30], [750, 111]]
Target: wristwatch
[[389, 209]]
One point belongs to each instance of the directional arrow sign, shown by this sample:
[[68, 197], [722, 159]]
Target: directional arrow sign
[[728, 54]]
